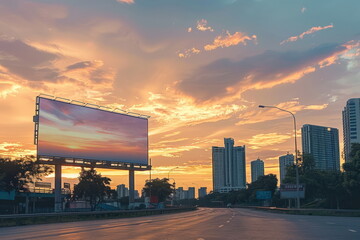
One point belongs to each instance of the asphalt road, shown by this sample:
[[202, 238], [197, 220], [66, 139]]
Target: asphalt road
[[203, 224]]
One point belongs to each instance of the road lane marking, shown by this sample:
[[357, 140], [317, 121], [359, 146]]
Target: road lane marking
[[200, 239], [221, 226], [352, 230], [227, 221], [330, 223]]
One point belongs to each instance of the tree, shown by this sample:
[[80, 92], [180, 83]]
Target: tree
[[18, 174], [92, 187], [352, 176], [322, 188], [263, 183], [160, 188]]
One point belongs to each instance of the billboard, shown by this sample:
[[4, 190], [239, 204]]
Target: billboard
[[289, 191], [75, 131], [43, 184]]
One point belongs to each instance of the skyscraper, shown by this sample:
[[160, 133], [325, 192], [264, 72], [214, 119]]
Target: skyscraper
[[191, 193], [284, 162], [122, 191], [229, 172], [351, 125], [257, 169], [202, 192], [323, 144]]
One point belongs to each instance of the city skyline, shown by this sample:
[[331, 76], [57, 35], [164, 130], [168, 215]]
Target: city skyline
[[199, 69]]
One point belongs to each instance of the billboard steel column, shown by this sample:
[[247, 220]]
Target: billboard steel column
[[131, 186], [58, 200]]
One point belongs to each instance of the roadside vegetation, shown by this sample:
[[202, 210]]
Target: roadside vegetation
[[323, 189]]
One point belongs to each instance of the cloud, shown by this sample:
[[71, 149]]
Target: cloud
[[170, 151], [269, 114], [26, 61], [189, 29], [85, 65], [173, 110], [14, 150], [202, 26], [227, 79], [228, 40], [310, 31], [126, 1], [266, 139], [303, 9], [8, 88], [188, 53]]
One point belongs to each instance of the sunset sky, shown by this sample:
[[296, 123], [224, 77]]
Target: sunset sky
[[199, 68]]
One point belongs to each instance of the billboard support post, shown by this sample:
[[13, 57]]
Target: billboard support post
[[131, 186], [58, 200]]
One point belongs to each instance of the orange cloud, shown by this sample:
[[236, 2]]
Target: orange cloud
[[189, 52], [126, 1], [8, 88], [267, 114], [172, 110], [302, 35], [266, 139], [229, 40], [202, 26], [14, 150]]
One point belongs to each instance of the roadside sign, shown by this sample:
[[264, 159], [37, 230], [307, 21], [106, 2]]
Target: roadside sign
[[43, 184], [289, 191], [263, 195]]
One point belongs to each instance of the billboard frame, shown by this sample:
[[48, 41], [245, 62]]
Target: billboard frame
[[80, 162]]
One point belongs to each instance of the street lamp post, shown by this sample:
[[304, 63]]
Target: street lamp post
[[170, 171], [296, 153], [172, 199]]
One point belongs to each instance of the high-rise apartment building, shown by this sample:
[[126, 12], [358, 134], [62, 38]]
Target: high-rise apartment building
[[182, 194], [191, 193], [257, 169], [122, 191], [229, 171], [351, 125], [284, 162], [323, 144], [202, 192]]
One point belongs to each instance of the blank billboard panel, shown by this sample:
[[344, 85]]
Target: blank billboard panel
[[74, 131]]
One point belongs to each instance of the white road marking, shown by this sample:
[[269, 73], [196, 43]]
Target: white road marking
[[221, 226], [227, 221], [200, 239], [352, 230]]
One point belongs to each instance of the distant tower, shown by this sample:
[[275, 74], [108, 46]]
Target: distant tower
[[323, 144], [202, 192], [257, 169], [229, 172], [351, 125], [191, 193], [284, 162], [122, 191]]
